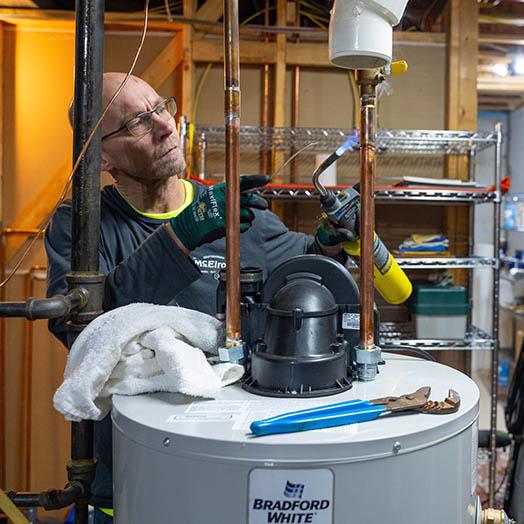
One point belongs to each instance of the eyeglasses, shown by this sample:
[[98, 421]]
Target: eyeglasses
[[142, 123]]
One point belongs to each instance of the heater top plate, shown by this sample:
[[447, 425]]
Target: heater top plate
[[217, 429]]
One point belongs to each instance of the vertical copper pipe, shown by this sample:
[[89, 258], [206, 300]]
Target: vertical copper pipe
[[295, 116], [232, 167], [3, 426], [366, 79], [27, 378], [265, 156]]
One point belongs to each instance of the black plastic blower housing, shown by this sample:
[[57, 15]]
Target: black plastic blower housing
[[301, 329]]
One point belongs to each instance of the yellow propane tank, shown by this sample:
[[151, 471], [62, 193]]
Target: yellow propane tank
[[390, 280]]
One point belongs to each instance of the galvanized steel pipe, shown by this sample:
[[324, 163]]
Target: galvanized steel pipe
[[495, 326], [85, 235]]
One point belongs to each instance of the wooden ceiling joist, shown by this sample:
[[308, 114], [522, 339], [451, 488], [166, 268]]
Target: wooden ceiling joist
[[211, 10]]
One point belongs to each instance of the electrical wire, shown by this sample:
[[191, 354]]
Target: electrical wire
[[45, 223], [291, 158], [356, 99], [258, 13], [313, 18], [168, 11], [426, 355], [497, 490], [322, 11], [198, 90]]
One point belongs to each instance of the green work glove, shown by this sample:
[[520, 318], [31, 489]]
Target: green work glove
[[204, 220], [328, 234]]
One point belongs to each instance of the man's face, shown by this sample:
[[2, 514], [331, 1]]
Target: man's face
[[151, 157]]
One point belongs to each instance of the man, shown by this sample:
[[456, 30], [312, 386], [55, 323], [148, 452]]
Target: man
[[162, 238]]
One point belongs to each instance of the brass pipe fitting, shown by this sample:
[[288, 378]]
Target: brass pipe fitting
[[495, 516]]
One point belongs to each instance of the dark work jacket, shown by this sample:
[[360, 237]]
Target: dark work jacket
[[142, 263]]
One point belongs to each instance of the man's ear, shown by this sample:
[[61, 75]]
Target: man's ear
[[105, 163]]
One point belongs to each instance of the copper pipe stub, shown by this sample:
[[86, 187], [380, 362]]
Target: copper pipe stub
[[367, 81], [367, 354]]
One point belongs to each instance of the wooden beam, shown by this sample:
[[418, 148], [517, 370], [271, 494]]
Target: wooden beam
[[211, 10], [416, 37], [503, 20], [19, 3], [461, 103], [461, 113], [509, 85], [250, 52], [494, 57], [303, 54], [152, 26], [38, 208], [165, 62], [188, 66], [496, 38], [308, 55]]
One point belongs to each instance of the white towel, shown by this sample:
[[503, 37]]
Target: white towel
[[137, 349]]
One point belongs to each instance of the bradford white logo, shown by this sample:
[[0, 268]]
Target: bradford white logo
[[291, 511], [293, 491]]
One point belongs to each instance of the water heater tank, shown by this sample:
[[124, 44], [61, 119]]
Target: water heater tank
[[188, 461]]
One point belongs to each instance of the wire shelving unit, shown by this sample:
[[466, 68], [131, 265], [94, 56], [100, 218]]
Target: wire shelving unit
[[409, 152]]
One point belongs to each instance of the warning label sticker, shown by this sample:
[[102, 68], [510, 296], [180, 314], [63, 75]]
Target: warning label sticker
[[242, 412], [290, 496]]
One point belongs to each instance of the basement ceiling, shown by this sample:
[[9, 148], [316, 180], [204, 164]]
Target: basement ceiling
[[501, 33]]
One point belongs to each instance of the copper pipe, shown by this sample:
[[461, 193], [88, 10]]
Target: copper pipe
[[295, 116], [3, 426], [265, 155], [296, 98], [20, 231], [27, 360], [367, 79], [232, 167], [27, 378]]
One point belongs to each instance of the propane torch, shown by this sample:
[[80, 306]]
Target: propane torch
[[343, 211]]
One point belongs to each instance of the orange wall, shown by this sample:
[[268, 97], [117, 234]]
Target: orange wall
[[38, 86]]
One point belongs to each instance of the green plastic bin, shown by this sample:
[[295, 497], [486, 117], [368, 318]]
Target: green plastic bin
[[440, 312]]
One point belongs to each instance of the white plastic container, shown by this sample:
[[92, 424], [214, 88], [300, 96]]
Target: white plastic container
[[361, 32], [440, 326]]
